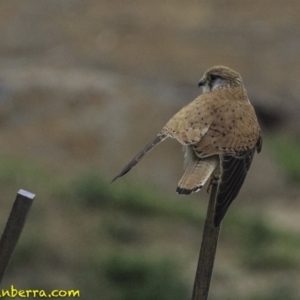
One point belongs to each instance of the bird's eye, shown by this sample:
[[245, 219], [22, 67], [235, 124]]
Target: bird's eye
[[214, 77]]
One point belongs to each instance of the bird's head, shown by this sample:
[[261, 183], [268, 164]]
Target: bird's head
[[219, 77]]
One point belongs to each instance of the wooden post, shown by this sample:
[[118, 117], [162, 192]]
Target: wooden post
[[13, 228], [207, 251]]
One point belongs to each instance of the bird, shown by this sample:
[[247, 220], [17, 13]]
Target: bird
[[220, 134]]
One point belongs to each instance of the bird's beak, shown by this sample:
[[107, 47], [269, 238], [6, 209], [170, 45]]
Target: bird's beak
[[201, 82]]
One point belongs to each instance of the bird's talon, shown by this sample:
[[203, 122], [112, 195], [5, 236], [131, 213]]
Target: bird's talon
[[213, 181]]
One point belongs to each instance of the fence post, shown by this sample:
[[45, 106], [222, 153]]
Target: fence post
[[13, 228], [208, 250]]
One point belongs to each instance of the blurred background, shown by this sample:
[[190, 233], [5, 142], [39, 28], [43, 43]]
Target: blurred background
[[84, 85]]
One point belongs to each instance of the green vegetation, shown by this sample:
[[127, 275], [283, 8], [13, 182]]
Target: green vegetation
[[282, 292], [269, 248], [138, 277], [119, 242], [92, 192], [287, 152]]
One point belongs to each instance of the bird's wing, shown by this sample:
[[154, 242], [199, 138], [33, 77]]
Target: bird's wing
[[235, 129], [193, 121], [233, 173], [187, 126], [222, 121], [259, 143], [159, 138]]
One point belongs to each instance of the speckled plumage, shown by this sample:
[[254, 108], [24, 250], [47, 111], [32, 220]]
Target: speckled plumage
[[220, 131]]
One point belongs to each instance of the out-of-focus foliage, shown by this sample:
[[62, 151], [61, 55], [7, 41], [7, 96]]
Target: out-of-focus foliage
[[124, 242], [287, 152]]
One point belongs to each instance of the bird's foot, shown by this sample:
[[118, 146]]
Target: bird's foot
[[213, 180]]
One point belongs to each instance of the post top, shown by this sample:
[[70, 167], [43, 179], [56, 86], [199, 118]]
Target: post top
[[26, 194]]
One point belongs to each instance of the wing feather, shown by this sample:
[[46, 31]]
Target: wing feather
[[159, 138], [234, 172]]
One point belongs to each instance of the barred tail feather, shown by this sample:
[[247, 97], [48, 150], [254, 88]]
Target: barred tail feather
[[196, 175]]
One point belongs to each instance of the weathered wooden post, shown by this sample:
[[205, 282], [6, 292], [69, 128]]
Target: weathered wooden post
[[207, 251], [13, 228]]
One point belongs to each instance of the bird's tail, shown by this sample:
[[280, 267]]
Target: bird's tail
[[197, 173], [159, 138]]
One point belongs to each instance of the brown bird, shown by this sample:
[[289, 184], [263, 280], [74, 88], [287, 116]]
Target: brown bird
[[220, 132]]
